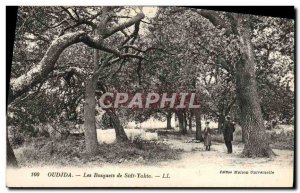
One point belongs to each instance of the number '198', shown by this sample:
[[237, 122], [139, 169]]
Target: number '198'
[[35, 174]]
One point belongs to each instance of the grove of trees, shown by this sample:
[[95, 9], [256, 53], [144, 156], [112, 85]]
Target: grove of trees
[[67, 57]]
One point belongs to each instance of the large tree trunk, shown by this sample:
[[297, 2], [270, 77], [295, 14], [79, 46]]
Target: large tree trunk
[[185, 123], [190, 121], [221, 121], [256, 141], [182, 122], [91, 143], [39, 72], [115, 121], [169, 118], [198, 124], [243, 135], [120, 133], [11, 160]]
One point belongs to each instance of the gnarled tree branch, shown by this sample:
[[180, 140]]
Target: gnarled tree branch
[[216, 20], [38, 73], [125, 25]]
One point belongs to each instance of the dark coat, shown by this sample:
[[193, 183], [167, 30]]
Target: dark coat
[[207, 136], [228, 131]]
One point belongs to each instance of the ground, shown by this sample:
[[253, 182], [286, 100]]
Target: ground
[[171, 149], [195, 154], [189, 153], [185, 162]]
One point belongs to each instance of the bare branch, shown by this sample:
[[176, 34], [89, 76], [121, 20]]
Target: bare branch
[[69, 13], [125, 25], [74, 70], [215, 19], [52, 26], [146, 50], [133, 35], [39, 73], [98, 44]]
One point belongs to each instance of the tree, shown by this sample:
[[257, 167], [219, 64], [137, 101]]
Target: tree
[[251, 116], [181, 115], [273, 46], [198, 125], [228, 59], [169, 118], [89, 111], [78, 17], [236, 32], [246, 87]]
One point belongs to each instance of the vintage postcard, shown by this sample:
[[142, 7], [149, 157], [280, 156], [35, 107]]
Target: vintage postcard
[[150, 97]]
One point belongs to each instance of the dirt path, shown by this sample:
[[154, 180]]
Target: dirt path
[[200, 168], [195, 168], [195, 155]]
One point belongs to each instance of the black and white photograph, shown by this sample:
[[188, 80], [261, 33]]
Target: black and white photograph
[[150, 97]]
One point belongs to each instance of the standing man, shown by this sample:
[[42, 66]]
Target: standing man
[[207, 136], [228, 133]]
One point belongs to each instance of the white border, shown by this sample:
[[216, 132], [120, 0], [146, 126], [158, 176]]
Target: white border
[[4, 3]]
